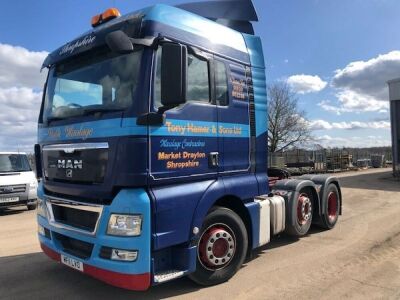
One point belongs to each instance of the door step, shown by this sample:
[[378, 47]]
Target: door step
[[167, 275]]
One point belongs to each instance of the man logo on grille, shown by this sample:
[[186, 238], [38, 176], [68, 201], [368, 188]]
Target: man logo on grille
[[68, 173], [70, 164]]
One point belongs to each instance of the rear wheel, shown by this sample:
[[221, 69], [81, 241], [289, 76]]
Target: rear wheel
[[332, 207], [301, 210], [221, 248]]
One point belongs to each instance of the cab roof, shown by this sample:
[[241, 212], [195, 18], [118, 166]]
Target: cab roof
[[163, 19]]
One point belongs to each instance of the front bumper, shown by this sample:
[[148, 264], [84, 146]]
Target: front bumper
[[128, 275], [136, 282]]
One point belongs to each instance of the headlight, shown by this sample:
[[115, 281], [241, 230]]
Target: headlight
[[124, 225], [33, 185], [41, 208]]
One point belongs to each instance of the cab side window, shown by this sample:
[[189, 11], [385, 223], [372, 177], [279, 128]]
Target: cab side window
[[198, 83], [157, 80], [221, 83], [198, 86]]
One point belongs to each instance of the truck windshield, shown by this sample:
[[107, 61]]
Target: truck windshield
[[14, 163], [101, 82]]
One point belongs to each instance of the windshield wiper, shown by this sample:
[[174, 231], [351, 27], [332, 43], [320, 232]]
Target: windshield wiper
[[88, 111], [49, 119], [85, 112]]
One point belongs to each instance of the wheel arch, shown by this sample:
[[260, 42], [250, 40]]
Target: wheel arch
[[236, 204], [231, 202], [336, 182], [322, 182], [290, 189]]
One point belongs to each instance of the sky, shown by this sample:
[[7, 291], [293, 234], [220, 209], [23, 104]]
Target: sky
[[337, 55]]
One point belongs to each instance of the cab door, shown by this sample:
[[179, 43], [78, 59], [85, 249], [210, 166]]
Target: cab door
[[231, 97], [186, 145]]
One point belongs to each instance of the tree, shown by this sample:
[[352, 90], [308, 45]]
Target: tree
[[287, 125]]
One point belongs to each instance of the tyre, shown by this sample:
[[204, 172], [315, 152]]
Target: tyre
[[301, 210], [32, 206], [221, 248], [332, 207]]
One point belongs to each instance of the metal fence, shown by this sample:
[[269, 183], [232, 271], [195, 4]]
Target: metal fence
[[300, 161]]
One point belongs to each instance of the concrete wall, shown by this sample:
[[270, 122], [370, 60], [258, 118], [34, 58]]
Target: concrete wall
[[394, 96]]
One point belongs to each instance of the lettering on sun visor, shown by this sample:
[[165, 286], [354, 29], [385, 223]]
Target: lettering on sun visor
[[71, 47]]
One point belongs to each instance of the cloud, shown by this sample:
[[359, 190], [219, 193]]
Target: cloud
[[361, 85], [304, 84], [19, 110], [367, 79], [349, 101], [20, 96], [324, 125], [354, 142], [20, 67]]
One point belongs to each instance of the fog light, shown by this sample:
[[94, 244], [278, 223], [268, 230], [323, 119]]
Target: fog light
[[41, 230], [125, 255]]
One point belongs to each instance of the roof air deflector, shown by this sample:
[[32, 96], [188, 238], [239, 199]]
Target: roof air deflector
[[236, 14]]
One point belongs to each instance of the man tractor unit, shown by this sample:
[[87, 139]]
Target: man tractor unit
[[152, 149]]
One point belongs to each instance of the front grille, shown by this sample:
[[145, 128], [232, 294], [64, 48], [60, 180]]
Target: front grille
[[74, 247], [12, 189], [81, 219], [81, 163]]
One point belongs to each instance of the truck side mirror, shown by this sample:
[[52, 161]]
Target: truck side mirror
[[119, 42], [173, 75], [38, 161]]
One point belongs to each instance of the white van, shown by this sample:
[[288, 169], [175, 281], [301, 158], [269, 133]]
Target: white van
[[18, 182]]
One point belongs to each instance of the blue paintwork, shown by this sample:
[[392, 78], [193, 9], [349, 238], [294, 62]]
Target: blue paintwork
[[255, 50], [99, 129], [127, 127], [260, 95], [254, 210], [241, 129], [173, 218], [244, 187], [175, 200], [171, 21], [234, 152], [128, 201], [188, 26]]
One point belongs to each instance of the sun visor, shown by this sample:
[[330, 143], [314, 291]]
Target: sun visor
[[130, 24]]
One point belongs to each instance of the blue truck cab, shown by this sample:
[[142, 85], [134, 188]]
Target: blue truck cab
[[152, 149]]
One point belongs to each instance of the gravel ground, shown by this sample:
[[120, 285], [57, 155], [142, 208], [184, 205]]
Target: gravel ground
[[358, 259]]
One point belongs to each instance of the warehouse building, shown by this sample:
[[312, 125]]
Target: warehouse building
[[394, 96]]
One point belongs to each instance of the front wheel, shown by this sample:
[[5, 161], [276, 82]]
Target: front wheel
[[221, 248]]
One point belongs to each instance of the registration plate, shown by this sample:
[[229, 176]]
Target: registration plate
[[9, 199], [72, 263]]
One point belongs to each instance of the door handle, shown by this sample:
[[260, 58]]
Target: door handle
[[213, 159]]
